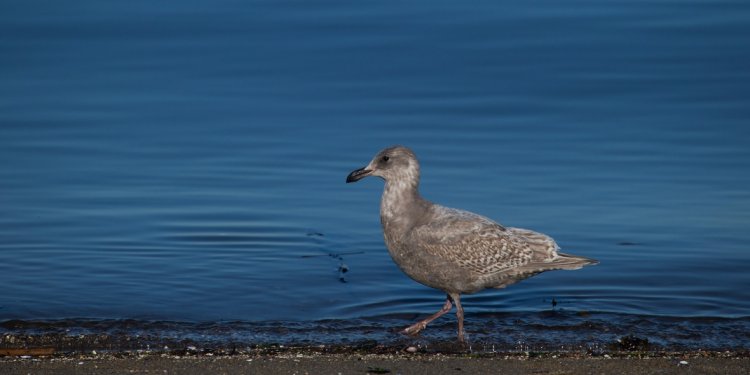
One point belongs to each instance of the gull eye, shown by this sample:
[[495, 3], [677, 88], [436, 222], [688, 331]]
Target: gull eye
[[385, 158]]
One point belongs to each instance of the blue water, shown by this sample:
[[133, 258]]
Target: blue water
[[186, 162]]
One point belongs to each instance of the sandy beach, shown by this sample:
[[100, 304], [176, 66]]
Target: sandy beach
[[312, 362]]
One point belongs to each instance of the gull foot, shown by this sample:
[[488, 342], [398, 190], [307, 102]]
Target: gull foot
[[414, 329]]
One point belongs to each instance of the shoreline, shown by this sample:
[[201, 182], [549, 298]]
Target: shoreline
[[66, 344], [381, 360], [62, 351]]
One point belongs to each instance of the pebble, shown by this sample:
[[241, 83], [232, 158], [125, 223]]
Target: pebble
[[411, 349], [683, 363]]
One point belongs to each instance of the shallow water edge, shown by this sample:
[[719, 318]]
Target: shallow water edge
[[594, 333]]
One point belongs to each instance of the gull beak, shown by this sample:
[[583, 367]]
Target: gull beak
[[358, 174]]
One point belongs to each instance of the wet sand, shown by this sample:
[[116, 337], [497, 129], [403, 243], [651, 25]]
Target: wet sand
[[312, 362], [66, 353], [372, 364]]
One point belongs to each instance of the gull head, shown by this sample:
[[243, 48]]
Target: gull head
[[393, 164]]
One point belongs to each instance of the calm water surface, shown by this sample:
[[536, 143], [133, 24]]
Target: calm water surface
[[186, 164]]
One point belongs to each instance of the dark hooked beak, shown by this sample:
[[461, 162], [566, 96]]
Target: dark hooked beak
[[358, 175]]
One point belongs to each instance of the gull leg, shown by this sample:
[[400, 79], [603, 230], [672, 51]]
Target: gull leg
[[459, 315], [415, 328]]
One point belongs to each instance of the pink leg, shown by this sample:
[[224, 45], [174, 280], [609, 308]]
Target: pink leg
[[415, 328], [459, 315]]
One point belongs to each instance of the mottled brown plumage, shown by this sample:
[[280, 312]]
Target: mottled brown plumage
[[453, 250]]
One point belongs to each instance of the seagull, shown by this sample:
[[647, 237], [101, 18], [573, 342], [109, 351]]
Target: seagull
[[452, 250]]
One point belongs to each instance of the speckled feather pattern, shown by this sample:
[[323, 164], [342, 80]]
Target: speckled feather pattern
[[454, 250]]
